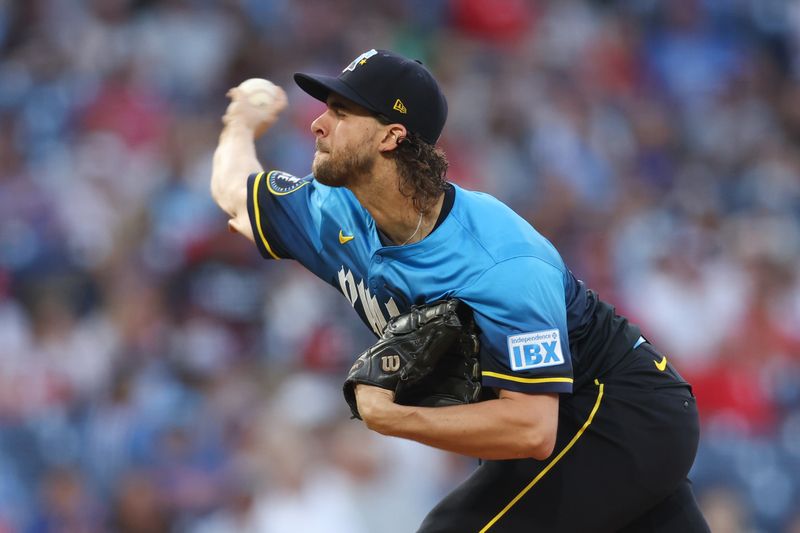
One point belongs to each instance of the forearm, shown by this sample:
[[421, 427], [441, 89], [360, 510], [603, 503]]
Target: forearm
[[234, 159], [254, 107], [494, 429]]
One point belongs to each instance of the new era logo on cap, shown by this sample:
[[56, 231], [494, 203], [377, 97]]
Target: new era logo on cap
[[388, 84]]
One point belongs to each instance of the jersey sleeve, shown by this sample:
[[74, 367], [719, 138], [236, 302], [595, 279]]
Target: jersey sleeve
[[520, 308], [286, 216]]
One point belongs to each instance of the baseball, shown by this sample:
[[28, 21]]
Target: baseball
[[259, 92]]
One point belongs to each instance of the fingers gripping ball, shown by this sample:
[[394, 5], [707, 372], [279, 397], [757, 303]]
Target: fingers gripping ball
[[255, 104], [428, 357], [259, 92]]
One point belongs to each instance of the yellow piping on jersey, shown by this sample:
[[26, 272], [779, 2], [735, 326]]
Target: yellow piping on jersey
[[258, 216], [552, 463], [525, 380]]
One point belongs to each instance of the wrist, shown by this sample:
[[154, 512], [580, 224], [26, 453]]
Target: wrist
[[234, 128], [379, 417]]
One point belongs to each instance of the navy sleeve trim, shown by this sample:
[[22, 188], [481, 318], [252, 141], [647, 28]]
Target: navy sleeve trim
[[270, 249]]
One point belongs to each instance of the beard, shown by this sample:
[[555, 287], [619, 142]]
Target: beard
[[341, 170]]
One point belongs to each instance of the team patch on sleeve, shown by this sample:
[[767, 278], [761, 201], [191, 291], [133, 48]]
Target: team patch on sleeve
[[536, 349], [280, 183]]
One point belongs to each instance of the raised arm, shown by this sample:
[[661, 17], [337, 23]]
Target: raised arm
[[255, 106]]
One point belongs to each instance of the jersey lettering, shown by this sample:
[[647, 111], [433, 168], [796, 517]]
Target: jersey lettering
[[392, 308], [370, 309], [348, 286], [375, 317]]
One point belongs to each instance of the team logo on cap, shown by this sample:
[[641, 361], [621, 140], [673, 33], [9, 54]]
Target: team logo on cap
[[280, 183], [360, 60]]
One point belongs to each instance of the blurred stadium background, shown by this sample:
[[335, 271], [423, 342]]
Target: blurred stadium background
[[156, 375]]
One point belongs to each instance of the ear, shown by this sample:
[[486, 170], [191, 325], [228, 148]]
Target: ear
[[393, 135]]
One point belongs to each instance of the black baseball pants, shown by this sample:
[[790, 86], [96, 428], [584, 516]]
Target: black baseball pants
[[624, 448]]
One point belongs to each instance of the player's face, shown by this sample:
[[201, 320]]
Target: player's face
[[346, 143]]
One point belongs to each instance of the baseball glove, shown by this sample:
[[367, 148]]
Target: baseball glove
[[428, 357]]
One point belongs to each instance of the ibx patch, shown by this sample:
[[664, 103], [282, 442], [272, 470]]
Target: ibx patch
[[280, 183], [536, 349]]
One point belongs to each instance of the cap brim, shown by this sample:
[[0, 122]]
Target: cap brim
[[320, 87]]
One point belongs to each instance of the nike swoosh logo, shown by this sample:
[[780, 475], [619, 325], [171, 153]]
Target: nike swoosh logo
[[662, 365], [343, 239]]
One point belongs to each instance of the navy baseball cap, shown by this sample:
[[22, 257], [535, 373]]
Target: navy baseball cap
[[388, 84]]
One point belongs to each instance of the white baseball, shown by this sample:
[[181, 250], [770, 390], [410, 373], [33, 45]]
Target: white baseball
[[259, 92]]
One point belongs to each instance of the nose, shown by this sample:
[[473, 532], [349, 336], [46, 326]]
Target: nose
[[318, 126]]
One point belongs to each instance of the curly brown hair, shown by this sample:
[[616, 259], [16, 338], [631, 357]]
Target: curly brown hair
[[422, 168]]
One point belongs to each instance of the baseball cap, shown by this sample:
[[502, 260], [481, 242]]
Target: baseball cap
[[388, 84]]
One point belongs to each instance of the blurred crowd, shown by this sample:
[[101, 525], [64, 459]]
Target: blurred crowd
[[157, 375]]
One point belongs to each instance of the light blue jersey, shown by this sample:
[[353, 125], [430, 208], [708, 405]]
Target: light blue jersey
[[482, 253]]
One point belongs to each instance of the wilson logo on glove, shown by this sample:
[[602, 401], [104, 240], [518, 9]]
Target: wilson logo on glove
[[428, 357], [390, 363]]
